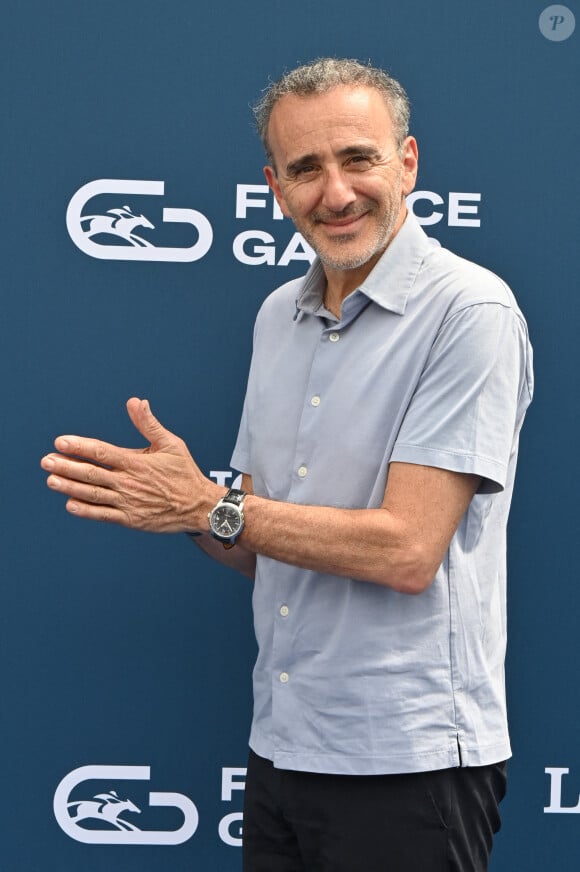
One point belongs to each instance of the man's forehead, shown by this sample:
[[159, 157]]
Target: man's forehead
[[358, 112]]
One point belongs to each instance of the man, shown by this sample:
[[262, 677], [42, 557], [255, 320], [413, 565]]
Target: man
[[378, 447]]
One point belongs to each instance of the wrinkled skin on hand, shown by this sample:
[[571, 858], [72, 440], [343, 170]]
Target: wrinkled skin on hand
[[159, 488]]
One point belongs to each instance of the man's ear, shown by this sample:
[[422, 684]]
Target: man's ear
[[272, 180], [410, 160]]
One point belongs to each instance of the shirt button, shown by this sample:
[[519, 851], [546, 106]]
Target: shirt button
[[334, 337], [303, 471], [284, 611], [284, 677], [315, 401]]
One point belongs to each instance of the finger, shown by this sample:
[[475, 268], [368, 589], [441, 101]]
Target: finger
[[78, 470], [85, 493], [106, 514], [150, 428], [94, 450]]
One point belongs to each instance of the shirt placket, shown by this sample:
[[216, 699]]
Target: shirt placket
[[284, 679]]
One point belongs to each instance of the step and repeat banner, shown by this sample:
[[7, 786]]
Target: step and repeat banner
[[139, 239]]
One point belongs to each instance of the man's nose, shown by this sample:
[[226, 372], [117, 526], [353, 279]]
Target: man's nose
[[337, 192]]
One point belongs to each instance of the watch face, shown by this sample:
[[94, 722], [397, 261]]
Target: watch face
[[226, 521]]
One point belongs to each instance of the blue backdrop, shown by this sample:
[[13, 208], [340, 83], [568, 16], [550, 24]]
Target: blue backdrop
[[121, 649]]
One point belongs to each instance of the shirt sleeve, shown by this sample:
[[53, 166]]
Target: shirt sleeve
[[469, 403]]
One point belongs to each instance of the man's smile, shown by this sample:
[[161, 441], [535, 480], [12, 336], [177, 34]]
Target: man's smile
[[339, 224]]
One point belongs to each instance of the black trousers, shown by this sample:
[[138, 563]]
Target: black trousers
[[441, 821]]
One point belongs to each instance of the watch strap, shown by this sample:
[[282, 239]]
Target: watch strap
[[234, 496]]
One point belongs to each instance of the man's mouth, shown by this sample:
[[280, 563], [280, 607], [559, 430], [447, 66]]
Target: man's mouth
[[341, 223]]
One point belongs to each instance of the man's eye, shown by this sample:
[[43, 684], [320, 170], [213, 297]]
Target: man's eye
[[360, 160], [305, 170]]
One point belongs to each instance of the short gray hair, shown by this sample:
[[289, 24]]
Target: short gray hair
[[322, 75]]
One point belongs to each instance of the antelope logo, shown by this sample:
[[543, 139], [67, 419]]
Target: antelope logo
[[108, 809], [121, 222]]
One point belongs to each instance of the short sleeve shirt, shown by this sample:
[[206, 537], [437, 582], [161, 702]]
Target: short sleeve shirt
[[430, 363]]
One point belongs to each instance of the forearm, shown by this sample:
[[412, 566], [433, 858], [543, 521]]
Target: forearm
[[400, 545], [365, 544], [238, 558]]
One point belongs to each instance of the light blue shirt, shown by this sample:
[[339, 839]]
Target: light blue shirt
[[429, 364]]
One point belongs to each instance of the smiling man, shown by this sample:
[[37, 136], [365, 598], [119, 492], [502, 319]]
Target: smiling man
[[378, 447], [341, 173]]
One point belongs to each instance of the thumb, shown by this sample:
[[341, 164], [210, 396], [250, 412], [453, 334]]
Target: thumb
[[148, 426]]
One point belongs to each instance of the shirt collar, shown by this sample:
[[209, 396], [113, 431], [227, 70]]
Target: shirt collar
[[389, 282]]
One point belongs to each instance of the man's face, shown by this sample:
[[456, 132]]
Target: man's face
[[338, 174]]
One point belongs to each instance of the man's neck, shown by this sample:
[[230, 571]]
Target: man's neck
[[342, 282]]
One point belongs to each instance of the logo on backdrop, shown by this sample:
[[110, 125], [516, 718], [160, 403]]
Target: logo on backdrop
[[226, 478], [104, 222], [102, 813], [106, 818], [558, 804], [256, 247], [110, 234]]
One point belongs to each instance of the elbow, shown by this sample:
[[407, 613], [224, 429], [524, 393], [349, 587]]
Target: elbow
[[411, 573], [415, 584]]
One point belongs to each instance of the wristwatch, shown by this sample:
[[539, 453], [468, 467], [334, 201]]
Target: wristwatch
[[226, 519]]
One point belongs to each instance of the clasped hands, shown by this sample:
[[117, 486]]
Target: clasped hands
[[159, 488]]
